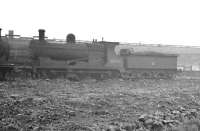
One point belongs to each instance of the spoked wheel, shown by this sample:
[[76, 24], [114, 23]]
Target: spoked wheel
[[72, 77], [10, 75], [146, 75]]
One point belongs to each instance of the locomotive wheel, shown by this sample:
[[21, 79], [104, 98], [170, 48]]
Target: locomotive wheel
[[2, 76], [10, 76], [115, 74], [42, 75], [125, 76], [161, 75], [146, 75], [72, 77]]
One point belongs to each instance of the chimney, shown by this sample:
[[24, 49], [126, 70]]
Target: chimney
[[41, 34]]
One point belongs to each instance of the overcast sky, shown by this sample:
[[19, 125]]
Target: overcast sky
[[146, 21]]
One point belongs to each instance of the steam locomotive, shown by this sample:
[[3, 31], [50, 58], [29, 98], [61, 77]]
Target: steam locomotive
[[72, 59]]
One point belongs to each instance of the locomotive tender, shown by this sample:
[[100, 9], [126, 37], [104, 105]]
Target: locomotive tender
[[79, 59]]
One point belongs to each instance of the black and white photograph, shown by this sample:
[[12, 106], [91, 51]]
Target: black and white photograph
[[99, 65]]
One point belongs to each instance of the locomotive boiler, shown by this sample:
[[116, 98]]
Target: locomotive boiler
[[70, 50]]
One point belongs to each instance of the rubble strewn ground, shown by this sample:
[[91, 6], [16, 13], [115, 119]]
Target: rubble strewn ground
[[89, 105]]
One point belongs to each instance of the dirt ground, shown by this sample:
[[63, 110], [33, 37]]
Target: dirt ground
[[90, 105]]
